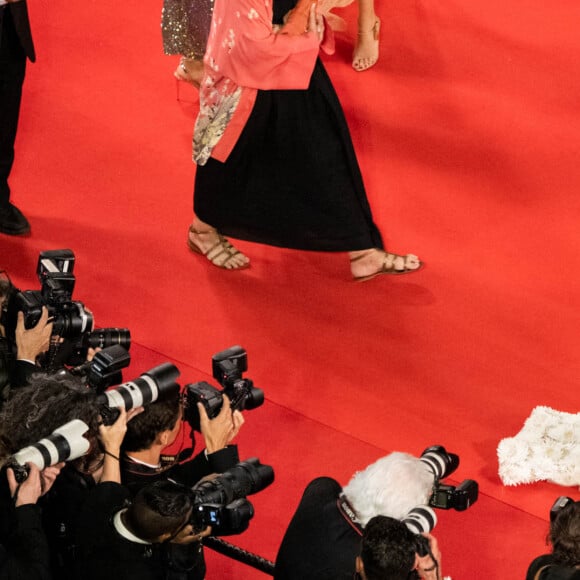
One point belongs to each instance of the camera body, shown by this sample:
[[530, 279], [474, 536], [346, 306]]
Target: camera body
[[227, 368], [459, 497], [55, 274], [105, 368], [443, 464], [221, 502], [225, 520]]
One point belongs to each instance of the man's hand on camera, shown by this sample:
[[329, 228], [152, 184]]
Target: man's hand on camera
[[188, 536], [112, 436], [238, 421], [219, 431], [425, 566], [91, 352], [36, 484], [33, 341]]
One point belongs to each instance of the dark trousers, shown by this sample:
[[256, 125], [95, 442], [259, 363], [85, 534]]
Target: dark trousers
[[12, 70]]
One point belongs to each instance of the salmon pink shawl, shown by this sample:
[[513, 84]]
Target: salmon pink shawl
[[244, 54]]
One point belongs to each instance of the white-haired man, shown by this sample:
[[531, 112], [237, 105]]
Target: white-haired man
[[323, 539]]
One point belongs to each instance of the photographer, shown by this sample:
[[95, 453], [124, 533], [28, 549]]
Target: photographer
[[131, 541], [61, 506], [18, 356], [158, 427], [46, 329], [324, 535], [34, 412], [24, 553], [564, 561], [389, 552]]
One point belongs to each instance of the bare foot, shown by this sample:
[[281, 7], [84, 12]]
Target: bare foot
[[367, 264]]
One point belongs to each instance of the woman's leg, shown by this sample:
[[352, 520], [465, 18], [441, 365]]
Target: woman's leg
[[366, 51], [206, 240]]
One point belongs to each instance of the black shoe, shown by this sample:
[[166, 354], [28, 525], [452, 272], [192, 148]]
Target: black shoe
[[12, 221]]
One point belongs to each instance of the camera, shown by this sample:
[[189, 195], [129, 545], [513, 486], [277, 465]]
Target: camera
[[560, 504], [439, 461], [459, 497], [225, 520], [227, 368], [99, 338], [419, 520], [63, 444], [105, 368], [442, 464], [150, 386], [221, 502], [55, 274], [70, 319]]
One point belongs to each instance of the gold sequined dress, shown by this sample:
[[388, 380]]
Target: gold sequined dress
[[185, 26]]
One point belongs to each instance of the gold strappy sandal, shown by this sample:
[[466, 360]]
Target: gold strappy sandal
[[216, 252], [361, 63], [389, 265]]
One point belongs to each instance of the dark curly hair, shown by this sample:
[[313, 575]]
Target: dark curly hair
[[565, 536], [36, 410]]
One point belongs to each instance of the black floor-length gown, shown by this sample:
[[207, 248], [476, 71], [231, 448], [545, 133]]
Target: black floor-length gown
[[293, 179]]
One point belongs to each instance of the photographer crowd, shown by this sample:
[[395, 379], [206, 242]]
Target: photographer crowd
[[88, 492]]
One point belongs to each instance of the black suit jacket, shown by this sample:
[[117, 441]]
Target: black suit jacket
[[19, 12], [24, 552], [320, 543]]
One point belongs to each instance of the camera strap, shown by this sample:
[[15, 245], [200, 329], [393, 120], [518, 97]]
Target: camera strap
[[348, 514]]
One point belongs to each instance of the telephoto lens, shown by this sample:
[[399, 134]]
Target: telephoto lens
[[63, 444], [150, 386], [420, 520], [245, 478], [439, 461]]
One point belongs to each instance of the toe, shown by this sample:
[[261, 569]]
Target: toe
[[399, 263], [412, 262], [389, 261]]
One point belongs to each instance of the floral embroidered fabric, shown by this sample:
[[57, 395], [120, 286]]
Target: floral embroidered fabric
[[244, 55]]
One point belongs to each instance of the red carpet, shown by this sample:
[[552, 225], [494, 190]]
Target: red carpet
[[468, 137]]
